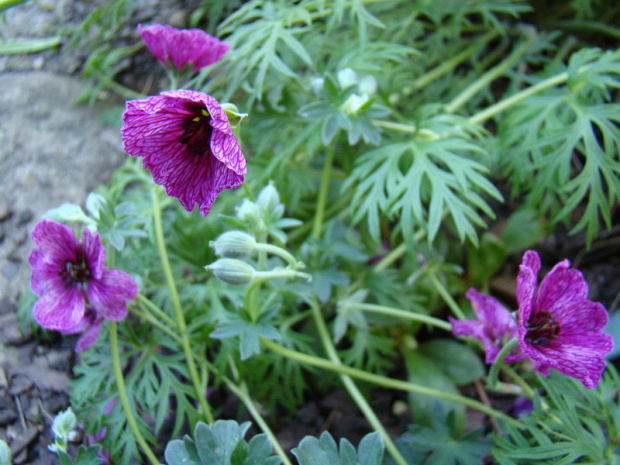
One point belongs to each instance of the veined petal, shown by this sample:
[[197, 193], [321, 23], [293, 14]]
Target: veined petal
[[89, 336], [57, 241], [94, 253], [60, 309], [109, 295]]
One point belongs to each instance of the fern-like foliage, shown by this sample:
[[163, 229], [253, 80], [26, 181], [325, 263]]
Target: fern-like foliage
[[561, 148], [416, 182]]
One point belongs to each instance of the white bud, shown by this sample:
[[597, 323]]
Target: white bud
[[367, 85], [346, 78], [232, 271], [234, 244]]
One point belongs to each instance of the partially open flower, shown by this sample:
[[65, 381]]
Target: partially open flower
[[558, 326], [182, 47], [187, 143], [494, 327], [76, 291]]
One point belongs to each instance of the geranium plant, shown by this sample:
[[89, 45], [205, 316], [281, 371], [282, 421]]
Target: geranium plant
[[342, 214]]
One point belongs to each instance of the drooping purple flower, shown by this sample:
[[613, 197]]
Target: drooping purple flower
[[521, 406], [182, 46], [187, 143], [494, 327], [558, 326], [75, 290]]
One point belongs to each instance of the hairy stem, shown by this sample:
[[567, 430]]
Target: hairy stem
[[384, 381], [122, 394], [490, 75], [445, 295], [319, 215], [178, 311], [353, 390], [447, 66], [406, 315]]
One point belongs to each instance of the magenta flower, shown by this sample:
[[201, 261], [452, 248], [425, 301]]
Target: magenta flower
[[494, 327], [76, 292], [182, 46], [558, 327], [187, 144]]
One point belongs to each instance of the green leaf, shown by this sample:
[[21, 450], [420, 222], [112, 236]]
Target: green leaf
[[19, 47], [312, 451], [458, 361], [523, 229]]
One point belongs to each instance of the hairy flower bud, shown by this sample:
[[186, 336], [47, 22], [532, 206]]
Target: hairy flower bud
[[5, 453], [232, 271], [234, 244]]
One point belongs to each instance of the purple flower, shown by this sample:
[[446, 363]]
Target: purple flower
[[187, 144], [494, 326], [76, 291], [182, 46], [521, 406], [558, 327]]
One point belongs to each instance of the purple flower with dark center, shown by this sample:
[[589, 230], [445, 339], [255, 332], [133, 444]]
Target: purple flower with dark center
[[494, 327], [187, 143], [182, 47], [558, 327], [76, 291]]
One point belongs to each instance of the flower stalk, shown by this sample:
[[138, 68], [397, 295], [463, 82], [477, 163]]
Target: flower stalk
[[178, 311], [398, 313], [322, 197], [122, 394]]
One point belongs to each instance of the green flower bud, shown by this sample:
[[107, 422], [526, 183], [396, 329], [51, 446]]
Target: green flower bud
[[5, 453], [347, 78], [232, 271], [64, 423], [234, 244], [268, 199]]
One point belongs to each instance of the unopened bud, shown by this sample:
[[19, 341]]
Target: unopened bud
[[268, 199], [234, 244], [5, 453], [347, 78], [232, 271], [64, 423]]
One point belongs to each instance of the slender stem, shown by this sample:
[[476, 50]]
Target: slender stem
[[249, 302], [178, 311], [274, 250], [396, 253], [502, 105], [581, 24], [446, 297], [527, 390], [155, 322], [383, 310], [353, 390], [319, 215], [490, 76], [242, 393], [499, 360], [155, 309], [345, 201], [453, 62], [122, 394], [384, 381]]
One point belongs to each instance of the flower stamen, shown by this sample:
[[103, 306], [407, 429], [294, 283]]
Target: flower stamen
[[196, 129], [542, 329]]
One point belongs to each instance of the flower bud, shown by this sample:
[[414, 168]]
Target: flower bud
[[347, 78], [5, 453], [268, 199], [64, 423], [234, 244], [367, 85], [232, 271]]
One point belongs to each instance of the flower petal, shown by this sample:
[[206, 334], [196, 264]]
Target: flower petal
[[56, 243], [60, 309], [109, 295], [90, 335], [94, 253]]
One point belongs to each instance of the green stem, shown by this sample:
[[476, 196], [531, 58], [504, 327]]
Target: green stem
[[155, 322], [274, 250], [319, 215], [499, 360], [490, 75], [156, 310], [384, 381], [353, 390], [446, 296], [345, 201], [527, 390], [122, 394], [397, 253], [581, 24], [502, 105], [178, 311], [383, 310], [453, 62], [242, 393]]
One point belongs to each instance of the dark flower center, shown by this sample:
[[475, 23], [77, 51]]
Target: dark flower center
[[75, 272], [196, 128], [542, 329]]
